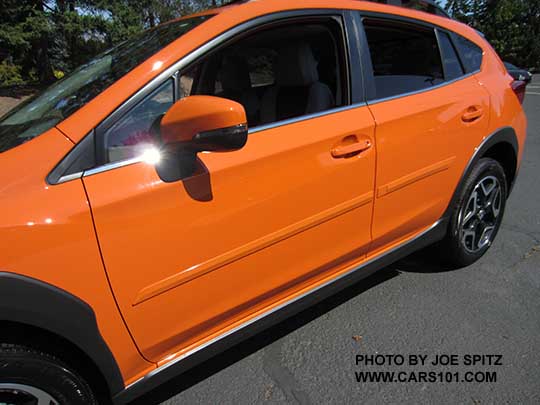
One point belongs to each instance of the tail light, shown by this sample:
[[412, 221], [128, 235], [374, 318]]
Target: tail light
[[519, 87]]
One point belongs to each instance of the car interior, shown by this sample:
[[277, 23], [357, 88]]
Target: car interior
[[276, 74]]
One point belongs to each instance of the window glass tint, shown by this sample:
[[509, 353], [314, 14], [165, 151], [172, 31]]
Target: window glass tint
[[245, 75], [66, 96], [137, 130], [257, 61], [452, 66], [405, 57], [261, 71], [279, 73], [471, 54]]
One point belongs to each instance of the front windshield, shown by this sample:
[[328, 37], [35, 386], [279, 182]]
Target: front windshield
[[510, 66], [66, 96]]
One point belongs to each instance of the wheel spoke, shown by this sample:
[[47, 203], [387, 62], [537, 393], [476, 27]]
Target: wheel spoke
[[471, 208], [495, 203], [487, 188], [493, 200], [485, 239]]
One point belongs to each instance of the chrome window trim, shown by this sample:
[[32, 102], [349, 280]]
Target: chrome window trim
[[289, 121], [224, 37], [264, 127], [412, 93], [128, 162], [69, 177], [112, 165], [213, 43], [281, 306]]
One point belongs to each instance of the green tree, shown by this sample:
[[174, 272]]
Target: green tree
[[511, 26], [25, 34]]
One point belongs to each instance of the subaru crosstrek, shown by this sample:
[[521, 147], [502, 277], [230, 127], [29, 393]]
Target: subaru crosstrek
[[212, 175]]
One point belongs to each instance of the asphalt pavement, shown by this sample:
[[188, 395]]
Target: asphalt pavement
[[410, 308]]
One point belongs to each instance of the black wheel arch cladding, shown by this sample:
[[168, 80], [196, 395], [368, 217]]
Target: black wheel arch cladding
[[32, 302], [503, 136]]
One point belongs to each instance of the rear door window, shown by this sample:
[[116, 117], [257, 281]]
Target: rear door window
[[405, 57]]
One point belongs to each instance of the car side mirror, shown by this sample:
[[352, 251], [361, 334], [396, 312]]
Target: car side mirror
[[205, 123], [196, 124]]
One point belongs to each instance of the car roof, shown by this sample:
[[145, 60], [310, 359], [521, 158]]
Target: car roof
[[423, 6], [404, 8]]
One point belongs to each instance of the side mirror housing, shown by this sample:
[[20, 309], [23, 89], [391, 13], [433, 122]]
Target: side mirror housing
[[205, 123]]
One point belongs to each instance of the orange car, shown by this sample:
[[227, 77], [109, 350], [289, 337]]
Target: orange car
[[203, 180]]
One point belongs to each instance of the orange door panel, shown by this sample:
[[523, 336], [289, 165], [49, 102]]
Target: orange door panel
[[188, 258], [424, 142]]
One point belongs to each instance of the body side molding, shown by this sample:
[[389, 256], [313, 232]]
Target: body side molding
[[411, 178], [238, 253], [29, 301], [288, 308]]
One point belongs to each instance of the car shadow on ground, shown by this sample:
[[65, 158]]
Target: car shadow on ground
[[424, 261], [419, 262]]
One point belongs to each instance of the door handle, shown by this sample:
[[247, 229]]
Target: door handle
[[354, 148], [472, 114]]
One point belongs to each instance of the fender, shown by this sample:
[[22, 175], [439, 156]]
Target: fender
[[32, 302], [502, 135]]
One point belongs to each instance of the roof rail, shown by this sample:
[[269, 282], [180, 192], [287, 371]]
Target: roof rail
[[428, 6]]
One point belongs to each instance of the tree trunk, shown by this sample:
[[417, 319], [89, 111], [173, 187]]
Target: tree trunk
[[41, 50], [45, 70]]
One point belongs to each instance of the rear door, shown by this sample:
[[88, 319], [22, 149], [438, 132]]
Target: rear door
[[429, 116], [188, 259]]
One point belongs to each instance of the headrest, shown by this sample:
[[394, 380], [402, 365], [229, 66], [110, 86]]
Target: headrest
[[234, 73], [296, 66]]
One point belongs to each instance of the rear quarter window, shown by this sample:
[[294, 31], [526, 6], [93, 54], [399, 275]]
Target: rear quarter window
[[470, 53]]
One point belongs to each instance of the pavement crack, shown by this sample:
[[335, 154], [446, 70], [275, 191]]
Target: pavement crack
[[532, 251], [282, 376]]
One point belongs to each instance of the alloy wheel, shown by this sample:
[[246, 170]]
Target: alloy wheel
[[22, 394], [478, 218]]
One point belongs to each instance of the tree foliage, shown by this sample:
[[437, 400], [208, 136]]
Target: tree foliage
[[42, 39], [511, 26]]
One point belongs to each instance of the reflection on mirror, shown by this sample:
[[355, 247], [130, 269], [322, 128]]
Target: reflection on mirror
[[196, 124]]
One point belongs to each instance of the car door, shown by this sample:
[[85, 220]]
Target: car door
[[189, 258], [429, 117]]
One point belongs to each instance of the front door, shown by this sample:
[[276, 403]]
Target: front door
[[187, 259]]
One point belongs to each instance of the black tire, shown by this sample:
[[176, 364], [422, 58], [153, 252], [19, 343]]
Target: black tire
[[26, 367], [459, 250]]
